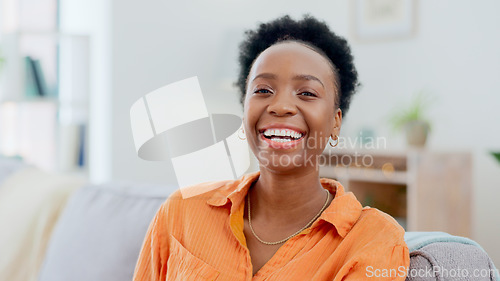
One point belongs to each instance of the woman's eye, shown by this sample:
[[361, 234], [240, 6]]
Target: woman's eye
[[262, 91], [308, 94]]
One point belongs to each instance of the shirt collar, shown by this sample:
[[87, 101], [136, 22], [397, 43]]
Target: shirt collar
[[234, 191], [343, 211]]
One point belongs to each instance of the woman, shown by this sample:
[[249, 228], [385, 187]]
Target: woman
[[283, 222]]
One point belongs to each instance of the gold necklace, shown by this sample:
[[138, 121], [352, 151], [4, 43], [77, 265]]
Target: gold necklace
[[296, 233]]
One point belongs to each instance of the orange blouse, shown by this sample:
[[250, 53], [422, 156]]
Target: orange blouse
[[201, 238]]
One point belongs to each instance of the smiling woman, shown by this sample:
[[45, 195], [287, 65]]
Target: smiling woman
[[283, 222]]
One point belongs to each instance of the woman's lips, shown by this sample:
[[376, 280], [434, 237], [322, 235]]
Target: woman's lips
[[281, 145]]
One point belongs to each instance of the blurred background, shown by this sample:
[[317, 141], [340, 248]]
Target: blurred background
[[71, 69]]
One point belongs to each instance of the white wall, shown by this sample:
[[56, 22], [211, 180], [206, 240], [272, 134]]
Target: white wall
[[454, 56]]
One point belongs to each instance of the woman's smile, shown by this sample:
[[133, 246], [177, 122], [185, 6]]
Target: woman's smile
[[281, 136]]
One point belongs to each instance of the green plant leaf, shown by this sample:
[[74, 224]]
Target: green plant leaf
[[496, 155]]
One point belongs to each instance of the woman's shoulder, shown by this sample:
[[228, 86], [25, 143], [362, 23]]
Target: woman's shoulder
[[210, 192], [189, 208], [381, 222], [198, 193], [202, 195]]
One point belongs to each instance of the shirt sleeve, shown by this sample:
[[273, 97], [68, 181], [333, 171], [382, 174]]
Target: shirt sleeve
[[382, 253], [387, 263], [151, 264]]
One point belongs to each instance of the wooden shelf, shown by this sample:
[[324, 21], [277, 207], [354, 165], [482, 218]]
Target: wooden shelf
[[422, 190], [363, 174]]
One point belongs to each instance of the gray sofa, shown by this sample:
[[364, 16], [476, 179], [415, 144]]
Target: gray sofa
[[99, 233]]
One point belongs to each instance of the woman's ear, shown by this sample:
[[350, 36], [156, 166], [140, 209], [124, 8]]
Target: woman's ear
[[337, 123]]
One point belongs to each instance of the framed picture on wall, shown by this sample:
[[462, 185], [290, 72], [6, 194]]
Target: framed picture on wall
[[377, 20]]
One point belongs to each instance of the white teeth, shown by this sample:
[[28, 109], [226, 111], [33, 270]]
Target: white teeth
[[281, 140], [282, 133]]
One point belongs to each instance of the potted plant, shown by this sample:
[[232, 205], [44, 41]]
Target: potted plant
[[412, 120]]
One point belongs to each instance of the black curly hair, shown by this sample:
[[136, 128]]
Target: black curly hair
[[312, 33]]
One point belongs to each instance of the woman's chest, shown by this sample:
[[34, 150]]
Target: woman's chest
[[294, 260], [264, 243], [260, 253]]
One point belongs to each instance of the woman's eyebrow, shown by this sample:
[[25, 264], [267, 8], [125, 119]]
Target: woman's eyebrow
[[307, 77], [296, 77], [266, 76]]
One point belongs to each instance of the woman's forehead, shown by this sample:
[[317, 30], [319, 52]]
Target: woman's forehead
[[293, 56]]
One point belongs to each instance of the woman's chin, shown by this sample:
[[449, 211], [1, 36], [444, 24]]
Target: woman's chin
[[284, 162]]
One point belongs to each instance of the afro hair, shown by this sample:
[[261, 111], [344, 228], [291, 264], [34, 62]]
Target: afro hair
[[309, 31]]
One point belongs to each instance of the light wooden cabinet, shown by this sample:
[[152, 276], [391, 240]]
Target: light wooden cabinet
[[422, 190]]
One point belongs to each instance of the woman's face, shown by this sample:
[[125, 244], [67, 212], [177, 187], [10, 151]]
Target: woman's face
[[289, 109]]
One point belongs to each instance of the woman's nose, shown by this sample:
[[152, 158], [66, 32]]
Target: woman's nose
[[282, 104]]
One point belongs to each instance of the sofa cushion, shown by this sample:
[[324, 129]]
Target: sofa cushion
[[101, 231]]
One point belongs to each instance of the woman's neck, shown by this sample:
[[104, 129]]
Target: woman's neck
[[280, 198]]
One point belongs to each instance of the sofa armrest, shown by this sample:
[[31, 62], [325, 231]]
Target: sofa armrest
[[450, 261], [31, 202]]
